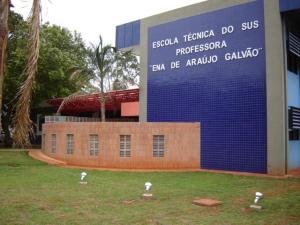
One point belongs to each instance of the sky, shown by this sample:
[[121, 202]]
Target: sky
[[94, 17]]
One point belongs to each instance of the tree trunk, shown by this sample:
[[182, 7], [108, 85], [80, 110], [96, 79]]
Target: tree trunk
[[6, 120], [102, 103], [102, 100], [4, 9]]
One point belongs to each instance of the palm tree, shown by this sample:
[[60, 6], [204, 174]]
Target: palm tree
[[4, 10], [103, 59], [22, 124]]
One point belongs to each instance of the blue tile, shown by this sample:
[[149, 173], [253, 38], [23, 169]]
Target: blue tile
[[228, 98], [128, 34]]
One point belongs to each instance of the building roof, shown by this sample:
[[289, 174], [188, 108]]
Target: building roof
[[91, 102]]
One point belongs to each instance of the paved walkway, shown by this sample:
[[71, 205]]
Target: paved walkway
[[39, 155], [295, 173]]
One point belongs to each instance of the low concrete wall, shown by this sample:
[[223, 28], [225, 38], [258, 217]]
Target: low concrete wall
[[181, 147]]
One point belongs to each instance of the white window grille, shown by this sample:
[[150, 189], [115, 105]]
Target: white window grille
[[158, 145], [125, 145], [94, 144], [53, 143], [70, 143]]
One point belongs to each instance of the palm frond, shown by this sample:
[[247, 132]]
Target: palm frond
[[22, 124], [68, 99], [75, 73]]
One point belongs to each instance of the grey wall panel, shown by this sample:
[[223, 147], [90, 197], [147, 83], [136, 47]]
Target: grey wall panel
[[276, 89]]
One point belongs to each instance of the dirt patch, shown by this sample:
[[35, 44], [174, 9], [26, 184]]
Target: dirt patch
[[128, 202], [247, 210], [13, 165], [44, 207], [207, 202]]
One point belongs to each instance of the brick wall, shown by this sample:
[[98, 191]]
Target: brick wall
[[181, 144]]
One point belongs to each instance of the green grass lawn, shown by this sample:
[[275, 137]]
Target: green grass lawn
[[32, 192]]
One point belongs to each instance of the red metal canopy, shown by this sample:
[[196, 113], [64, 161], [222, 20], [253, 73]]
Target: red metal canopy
[[91, 102]]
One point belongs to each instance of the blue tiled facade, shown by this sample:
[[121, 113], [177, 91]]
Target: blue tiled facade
[[228, 97], [128, 35]]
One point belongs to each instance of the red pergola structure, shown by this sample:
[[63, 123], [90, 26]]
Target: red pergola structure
[[91, 103]]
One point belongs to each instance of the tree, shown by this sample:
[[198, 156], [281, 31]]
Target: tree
[[126, 71], [16, 54], [114, 70], [83, 91], [102, 58], [4, 10], [62, 65]]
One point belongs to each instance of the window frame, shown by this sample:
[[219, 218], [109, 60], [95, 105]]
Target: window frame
[[94, 145], [125, 146], [70, 144], [158, 146], [53, 143]]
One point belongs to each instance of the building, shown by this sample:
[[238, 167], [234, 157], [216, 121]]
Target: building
[[121, 105], [234, 67]]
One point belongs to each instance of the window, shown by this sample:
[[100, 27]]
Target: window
[[43, 142], [125, 145], [94, 144], [294, 135], [293, 54], [70, 143], [53, 143], [158, 145], [293, 63], [294, 123]]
